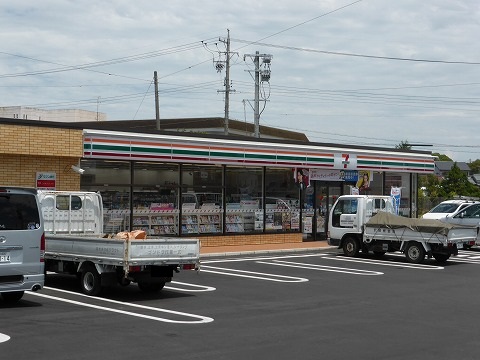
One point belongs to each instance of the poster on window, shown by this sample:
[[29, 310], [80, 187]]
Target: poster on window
[[302, 178], [269, 221], [396, 194], [295, 221], [307, 225]]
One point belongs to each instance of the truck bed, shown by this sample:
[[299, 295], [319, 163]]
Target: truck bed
[[386, 226], [154, 251]]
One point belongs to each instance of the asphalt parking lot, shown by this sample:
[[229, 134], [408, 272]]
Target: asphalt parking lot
[[312, 305]]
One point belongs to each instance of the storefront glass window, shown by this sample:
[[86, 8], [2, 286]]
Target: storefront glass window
[[243, 197], [155, 198], [112, 179], [116, 207], [202, 199], [282, 200], [105, 172]]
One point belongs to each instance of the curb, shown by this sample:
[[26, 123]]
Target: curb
[[267, 252]]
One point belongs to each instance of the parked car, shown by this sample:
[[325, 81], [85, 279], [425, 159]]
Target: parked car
[[22, 243], [446, 208], [466, 216]]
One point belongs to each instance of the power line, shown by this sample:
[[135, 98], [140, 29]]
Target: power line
[[88, 66], [356, 55]]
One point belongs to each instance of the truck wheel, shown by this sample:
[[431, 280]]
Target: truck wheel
[[441, 258], [150, 287], [90, 280], [12, 297], [415, 253], [351, 247]]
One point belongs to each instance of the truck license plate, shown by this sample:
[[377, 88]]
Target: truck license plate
[[4, 257]]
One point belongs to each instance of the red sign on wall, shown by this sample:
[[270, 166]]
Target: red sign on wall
[[46, 180]]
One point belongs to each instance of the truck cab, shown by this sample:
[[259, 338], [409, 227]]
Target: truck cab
[[351, 212]]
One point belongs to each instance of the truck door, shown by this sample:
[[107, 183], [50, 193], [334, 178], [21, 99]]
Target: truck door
[[345, 213]]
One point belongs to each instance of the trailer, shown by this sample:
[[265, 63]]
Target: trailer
[[75, 244], [367, 223]]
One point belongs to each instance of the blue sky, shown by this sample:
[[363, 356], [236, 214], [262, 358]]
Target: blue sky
[[369, 72]]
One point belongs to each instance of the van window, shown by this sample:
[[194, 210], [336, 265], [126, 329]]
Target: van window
[[18, 212], [62, 202]]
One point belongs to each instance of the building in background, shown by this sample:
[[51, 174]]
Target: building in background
[[65, 115]]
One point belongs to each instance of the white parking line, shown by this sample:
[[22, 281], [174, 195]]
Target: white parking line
[[4, 338], [252, 274], [465, 261], [202, 288], [386, 263], [201, 319], [321, 267]]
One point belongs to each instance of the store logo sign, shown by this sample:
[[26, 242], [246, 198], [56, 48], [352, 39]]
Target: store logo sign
[[345, 161]]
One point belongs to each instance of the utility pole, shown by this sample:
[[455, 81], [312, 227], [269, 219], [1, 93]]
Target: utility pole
[[256, 103], [157, 104], [261, 75], [219, 66], [98, 101], [227, 84]]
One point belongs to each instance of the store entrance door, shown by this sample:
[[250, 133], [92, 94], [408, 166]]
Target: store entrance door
[[326, 193]]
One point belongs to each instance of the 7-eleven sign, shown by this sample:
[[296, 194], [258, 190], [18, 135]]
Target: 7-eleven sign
[[345, 161]]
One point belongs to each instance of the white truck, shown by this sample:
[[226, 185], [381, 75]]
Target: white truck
[[75, 244], [368, 223]]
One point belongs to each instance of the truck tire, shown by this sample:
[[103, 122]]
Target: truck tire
[[441, 258], [90, 280], [351, 247], [12, 297], [150, 287], [415, 253]]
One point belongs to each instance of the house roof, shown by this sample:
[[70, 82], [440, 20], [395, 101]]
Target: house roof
[[202, 125], [444, 166]]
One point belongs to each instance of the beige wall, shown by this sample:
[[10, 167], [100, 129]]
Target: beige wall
[[26, 150]]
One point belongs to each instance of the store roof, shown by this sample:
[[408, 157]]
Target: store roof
[[200, 127]]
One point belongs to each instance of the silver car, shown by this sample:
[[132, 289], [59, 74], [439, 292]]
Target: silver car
[[466, 216], [22, 243]]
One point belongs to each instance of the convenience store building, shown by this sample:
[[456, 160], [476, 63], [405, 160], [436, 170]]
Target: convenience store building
[[223, 189]]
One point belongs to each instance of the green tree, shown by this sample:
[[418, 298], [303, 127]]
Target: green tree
[[404, 145], [475, 166], [441, 157], [456, 184], [432, 186]]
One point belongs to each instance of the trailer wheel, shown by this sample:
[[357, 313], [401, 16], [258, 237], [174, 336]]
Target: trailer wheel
[[441, 258], [415, 253], [150, 287], [90, 280], [351, 247], [12, 297]]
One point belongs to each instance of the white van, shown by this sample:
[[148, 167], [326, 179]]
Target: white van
[[22, 243]]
